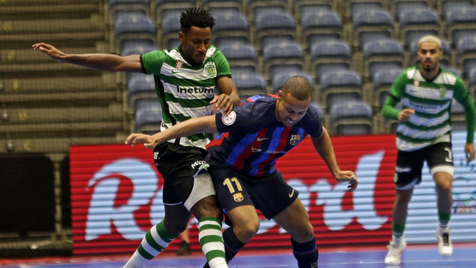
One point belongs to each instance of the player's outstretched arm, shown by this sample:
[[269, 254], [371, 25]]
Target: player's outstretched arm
[[183, 129], [323, 146], [103, 62]]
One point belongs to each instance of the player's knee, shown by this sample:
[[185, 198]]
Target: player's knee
[[303, 235], [444, 186], [207, 207], [210, 211], [246, 230], [403, 197]]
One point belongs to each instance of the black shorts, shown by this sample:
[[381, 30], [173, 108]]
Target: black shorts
[[409, 164], [270, 194], [179, 166]]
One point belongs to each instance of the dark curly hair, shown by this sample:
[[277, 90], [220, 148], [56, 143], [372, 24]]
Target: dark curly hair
[[198, 17]]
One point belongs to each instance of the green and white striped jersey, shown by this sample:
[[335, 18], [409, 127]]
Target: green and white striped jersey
[[187, 89], [431, 101]]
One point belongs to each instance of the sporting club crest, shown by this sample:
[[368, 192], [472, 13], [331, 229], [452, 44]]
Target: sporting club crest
[[210, 69]]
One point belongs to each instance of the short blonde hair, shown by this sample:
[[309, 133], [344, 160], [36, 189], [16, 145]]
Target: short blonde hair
[[430, 39]]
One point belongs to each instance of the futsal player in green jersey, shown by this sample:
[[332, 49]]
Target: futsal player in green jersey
[[424, 134], [186, 80]]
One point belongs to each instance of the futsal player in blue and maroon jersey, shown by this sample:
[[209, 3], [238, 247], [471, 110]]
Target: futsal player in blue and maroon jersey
[[242, 163]]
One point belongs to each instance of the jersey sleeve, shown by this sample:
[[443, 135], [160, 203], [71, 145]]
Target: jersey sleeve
[[240, 119], [462, 96], [398, 87], [396, 93], [222, 65], [313, 125], [460, 91], [152, 62]]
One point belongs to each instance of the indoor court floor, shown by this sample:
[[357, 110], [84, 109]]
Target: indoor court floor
[[464, 256]]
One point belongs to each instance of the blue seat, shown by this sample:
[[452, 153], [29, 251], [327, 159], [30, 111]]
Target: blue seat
[[282, 54], [340, 84], [229, 41], [330, 67], [173, 43], [279, 70], [413, 37], [373, 21], [460, 19], [384, 50], [418, 19], [368, 37], [170, 23], [312, 6], [273, 24], [241, 54], [376, 66], [281, 76], [455, 71], [448, 6], [249, 83], [398, 6], [382, 80], [320, 22], [466, 50], [330, 52], [137, 47], [462, 34], [230, 23], [358, 6], [161, 6], [139, 86], [468, 65], [351, 118], [147, 115], [132, 26], [219, 4], [257, 6], [143, 6]]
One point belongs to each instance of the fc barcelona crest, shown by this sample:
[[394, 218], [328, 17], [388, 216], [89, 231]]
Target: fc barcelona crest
[[238, 197], [179, 64], [295, 139]]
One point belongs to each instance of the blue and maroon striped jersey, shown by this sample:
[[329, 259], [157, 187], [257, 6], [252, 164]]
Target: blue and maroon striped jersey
[[253, 139]]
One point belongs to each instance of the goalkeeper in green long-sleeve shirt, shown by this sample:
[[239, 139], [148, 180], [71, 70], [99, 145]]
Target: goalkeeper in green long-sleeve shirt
[[424, 134]]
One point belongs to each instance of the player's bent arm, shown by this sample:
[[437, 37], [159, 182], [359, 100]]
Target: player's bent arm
[[189, 127], [388, 109], [227, 86], [470, 115], [324, 148]]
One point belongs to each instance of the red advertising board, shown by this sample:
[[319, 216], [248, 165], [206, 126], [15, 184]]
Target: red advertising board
[[116, 195]]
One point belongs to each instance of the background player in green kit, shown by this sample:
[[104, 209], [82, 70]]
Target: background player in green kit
[[186, 80], [424, 134]]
